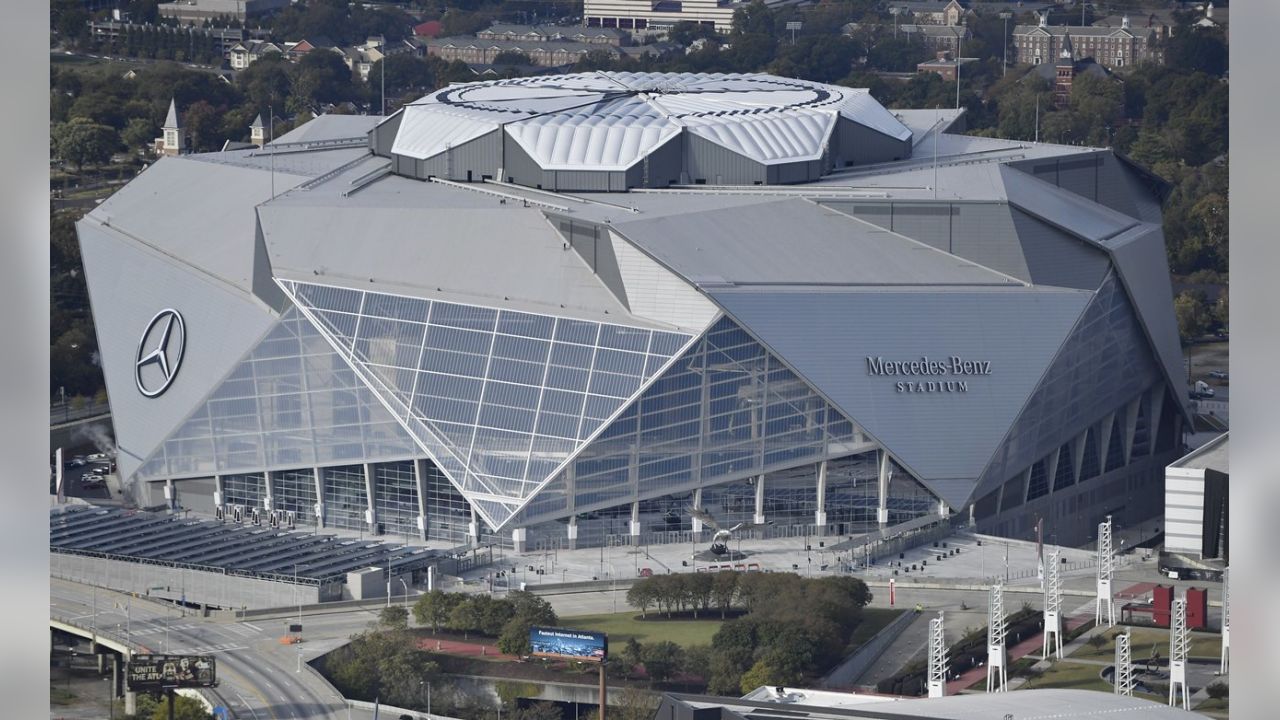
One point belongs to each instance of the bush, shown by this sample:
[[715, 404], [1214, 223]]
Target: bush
[[1218, 690]]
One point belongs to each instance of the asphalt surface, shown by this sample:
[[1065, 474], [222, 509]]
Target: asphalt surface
[[259, 678]]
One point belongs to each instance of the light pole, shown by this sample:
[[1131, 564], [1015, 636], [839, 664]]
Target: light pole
[[405, 585], [298, 597], [1005, 40], [894, 12], [959, 53]]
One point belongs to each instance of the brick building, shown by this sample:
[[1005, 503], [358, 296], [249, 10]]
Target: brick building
[[1111, 47]]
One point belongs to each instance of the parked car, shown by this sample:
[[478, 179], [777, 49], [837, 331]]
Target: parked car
[[1218, 375], [93, 482], [77, 461]]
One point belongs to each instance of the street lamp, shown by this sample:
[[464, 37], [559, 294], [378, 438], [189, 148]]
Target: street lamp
[[1005, 40], [959, 53], [894, 11]]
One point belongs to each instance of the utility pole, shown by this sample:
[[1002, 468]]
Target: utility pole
[[894, 12], [959, 53], [1106, 568]]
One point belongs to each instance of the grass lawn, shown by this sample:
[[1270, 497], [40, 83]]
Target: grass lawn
[[621, 627], [60, 695], [1075, 676], [1202, 646]]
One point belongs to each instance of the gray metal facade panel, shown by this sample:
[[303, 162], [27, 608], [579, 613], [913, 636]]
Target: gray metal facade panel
[[433, 252], [128, 286], [710, 164], [480, 157], [1115, 192], [858, 145], [1103, 365], [985, 234], [1144, 269], [1066, 210], [517, 166], [927, 222], [1145, 199], [663, 165], [384, 135], [264, 285], [197, 212], [593, 245], [577, 180], [795, 241], [1080, 175], [829, 338], [1053, 257]]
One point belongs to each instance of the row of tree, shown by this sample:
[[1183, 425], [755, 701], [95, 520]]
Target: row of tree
[[508, 618]]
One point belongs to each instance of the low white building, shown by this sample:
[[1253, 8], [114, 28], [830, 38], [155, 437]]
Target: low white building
[[1195, 502]]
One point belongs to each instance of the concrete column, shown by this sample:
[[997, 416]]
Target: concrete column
[[882, 492], [319, 509], [217, 491], [820, 513], [473, 529], [268, 491], [1079, 453], [697, 503], [519, 539], [635, 523], [1105, 439], [370, 514], [759, 516], [1130, 427], [170, 495], [1051, 467], [420, 482], [573, 532]]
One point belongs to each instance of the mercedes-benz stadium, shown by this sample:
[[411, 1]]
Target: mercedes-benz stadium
[[565, 310]]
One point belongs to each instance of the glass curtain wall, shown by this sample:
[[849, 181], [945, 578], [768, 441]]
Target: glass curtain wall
[[396, 498], [296, 492], [500, 398], [726, 409], [345, 499], [247, 490], [292, 402]]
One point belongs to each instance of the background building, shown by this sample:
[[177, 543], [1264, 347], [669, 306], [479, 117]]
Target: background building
[[1111, 47], [196, 12], [1196, 500], [618, 295]]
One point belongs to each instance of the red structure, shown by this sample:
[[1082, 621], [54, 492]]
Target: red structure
[[1162, 604], [1197, 608]]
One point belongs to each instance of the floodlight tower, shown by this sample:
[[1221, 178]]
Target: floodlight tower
[[1106, 568], [1123, 676], [937, 658], [1053, 607], [1179, 642], [997, 675], [1226, 622]]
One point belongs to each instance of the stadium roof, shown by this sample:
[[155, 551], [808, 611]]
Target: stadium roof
[[608, 120]]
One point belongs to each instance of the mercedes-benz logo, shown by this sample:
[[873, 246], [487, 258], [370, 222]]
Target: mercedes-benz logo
[[161, 346]]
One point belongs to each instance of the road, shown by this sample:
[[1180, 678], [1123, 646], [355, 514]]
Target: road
[[259, 678]]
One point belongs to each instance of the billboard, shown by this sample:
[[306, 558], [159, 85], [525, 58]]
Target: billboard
[[149, 673], [569, 644]]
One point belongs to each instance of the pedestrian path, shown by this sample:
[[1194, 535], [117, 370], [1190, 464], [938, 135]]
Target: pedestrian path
[[456, 647]]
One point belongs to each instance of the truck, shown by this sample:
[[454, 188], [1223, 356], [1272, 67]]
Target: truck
[[1201, 390]]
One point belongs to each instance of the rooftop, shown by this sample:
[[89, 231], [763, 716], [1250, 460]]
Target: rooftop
[[1213, 455]]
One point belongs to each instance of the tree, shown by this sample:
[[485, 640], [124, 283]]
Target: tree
[[512, 57], [632, 654], [541, 710], [80, 141], [184, 708], [699, 587], [1192, 313], [203, 122], [683, 33], [139, 133], [394, 617], [1218, 690], [661, 660], [761, 674], [531, 608], [724, 587], [514, 639], [641, 596], [435, 607]]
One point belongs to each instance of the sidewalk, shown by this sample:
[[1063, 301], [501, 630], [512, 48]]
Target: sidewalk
[[455, 647]]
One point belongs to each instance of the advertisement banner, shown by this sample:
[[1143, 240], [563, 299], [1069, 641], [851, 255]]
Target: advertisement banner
[[569, 644]]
